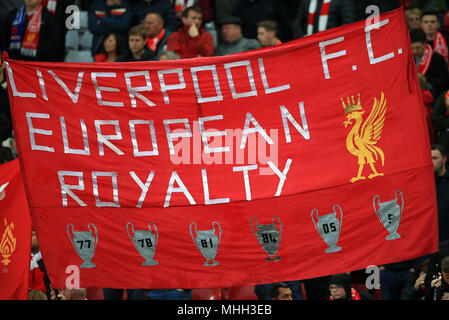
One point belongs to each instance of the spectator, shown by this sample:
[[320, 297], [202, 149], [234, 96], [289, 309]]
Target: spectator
[[413, 16], [164, 7], [233, 40], [138, 49], [318, 15], [429, 63], [251, 12], [267, 33], [416, 288], [440, 281], [75, 294], [38, 278], [206, 6], [191, 40], [113, 47], [437, 40], [264, 291], [439, 159], [37, 295], [281, 291], [31, 33], [117, 294], [157, 35], [440, 119], [395, 277], [106, 16], [340, 289]]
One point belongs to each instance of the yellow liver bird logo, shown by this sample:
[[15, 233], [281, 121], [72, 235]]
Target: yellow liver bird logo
[[364, 135]]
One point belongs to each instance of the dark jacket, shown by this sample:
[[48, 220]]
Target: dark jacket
[[344, 280], [48, 44], [164, 7], [252, 12], [148, 55], [104, 19], [438, 74], [341, 12], [440, 122], [442, 186]]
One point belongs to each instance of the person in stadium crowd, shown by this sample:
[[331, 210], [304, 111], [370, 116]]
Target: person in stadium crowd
[[191, 40], [138, 49], [232, 39], [113, 48], [157, 34]]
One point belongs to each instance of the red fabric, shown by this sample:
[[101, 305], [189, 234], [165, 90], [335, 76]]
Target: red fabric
[[15, 234], [425, 60], [101, 57], [190, 194], [36, 281], [188, 47]]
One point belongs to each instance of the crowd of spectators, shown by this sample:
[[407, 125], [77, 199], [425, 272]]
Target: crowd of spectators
[[152, 30]]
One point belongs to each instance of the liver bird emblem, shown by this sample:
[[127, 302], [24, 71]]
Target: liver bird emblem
[[364, 135]]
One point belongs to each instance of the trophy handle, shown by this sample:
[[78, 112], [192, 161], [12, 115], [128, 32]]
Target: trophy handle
[[313, 220], [341, 214], [155, 229], [127, 230], [191, 234], [219, 228], [96, 233], [374, 206], [252, 225], [280, 224], [402, 200], [70, 236]]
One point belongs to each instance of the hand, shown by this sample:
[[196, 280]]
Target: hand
[[193, 31], [436, 282], [419, 283]]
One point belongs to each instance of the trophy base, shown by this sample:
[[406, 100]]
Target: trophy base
[[211, 263], [87, 265], [393, 236], [332, 249], [150, 263], [272, 258]]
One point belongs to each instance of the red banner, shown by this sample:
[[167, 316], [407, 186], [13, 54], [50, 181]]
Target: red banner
[[15, 234], [301, 160]]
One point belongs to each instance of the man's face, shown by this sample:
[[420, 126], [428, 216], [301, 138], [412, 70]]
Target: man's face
[[231, 32], [445, 296], [265, 37], [445, 276], [414, 21], [153, 25], [439, 164], [337, 292], [136, 43], [285, 294], [418, 49], [193, 18], [429, 24]]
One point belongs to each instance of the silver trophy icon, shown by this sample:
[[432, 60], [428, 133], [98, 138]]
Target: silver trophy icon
[[389, 214], [329, 227], [145, 242], [268, 236], [207, 243], [84, 243]]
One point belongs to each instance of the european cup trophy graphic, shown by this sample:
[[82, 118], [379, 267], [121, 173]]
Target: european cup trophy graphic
[[389, 214], [84, 243], [145, 242], [268, 236], [207, 242], [329, 227]]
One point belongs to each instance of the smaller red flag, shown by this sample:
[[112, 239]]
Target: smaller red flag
[[15, 234]]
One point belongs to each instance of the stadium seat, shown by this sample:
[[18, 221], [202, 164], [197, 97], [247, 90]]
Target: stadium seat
[[207, 294], [79, 56], [72, 40], [241, 293]]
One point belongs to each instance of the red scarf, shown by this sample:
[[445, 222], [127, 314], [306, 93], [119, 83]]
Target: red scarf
[[446, 99], [425, 60], [152, 42], [440, 46], [354, 295], [31, 37], [50, 4], [324, 13]]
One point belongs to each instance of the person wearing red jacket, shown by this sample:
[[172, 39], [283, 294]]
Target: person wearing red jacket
[[191, 40]]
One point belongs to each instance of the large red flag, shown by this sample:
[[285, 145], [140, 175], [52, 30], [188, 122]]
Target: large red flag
[[15, 234], [296, 161]]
